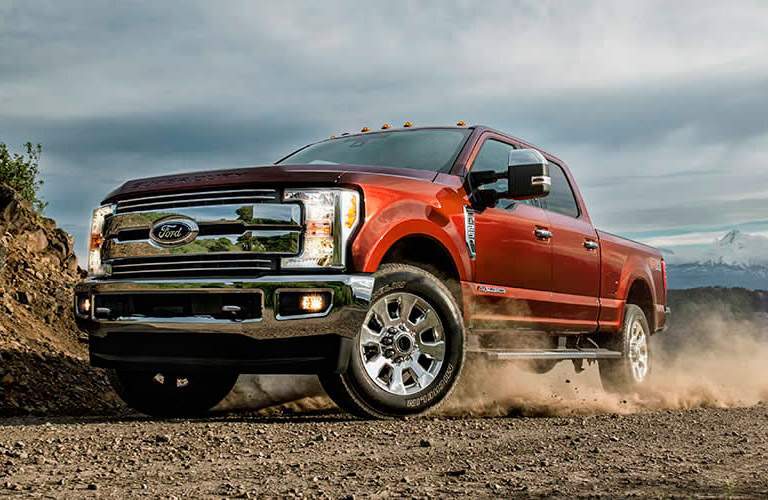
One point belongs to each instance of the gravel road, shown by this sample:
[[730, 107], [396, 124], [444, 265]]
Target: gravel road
[[712, 452]]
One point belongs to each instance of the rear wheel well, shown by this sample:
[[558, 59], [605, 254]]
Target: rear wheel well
[[428, 254], [641, 296]]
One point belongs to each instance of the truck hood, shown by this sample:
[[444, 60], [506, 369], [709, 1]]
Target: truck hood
[[281, 175]]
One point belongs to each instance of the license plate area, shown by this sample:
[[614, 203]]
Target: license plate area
[[234, 306]]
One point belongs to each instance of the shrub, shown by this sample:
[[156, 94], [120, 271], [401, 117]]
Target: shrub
[[20, 172]]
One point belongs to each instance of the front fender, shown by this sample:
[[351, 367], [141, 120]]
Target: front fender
[[441, 222]]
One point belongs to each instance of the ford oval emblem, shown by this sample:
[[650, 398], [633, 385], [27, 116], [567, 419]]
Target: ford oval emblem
[[173, 232]]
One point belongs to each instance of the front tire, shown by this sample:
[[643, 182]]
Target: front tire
[[409, 352], [169, 394], [629, 373]]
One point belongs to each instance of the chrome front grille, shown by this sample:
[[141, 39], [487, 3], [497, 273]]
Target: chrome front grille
[[241, 233], [205, 198], [200, 265]]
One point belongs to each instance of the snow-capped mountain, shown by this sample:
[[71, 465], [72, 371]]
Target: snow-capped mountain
[[739, 249], [735, 260]]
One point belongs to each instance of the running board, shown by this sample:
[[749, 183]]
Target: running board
[[557, 354]]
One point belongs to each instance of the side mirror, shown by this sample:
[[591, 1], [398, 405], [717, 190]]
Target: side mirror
[[528, 175]]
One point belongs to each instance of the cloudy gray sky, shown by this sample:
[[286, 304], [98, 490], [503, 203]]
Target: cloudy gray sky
[[660, 108]]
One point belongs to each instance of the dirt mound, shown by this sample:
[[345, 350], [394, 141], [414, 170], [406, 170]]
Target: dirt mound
[[43, 362]]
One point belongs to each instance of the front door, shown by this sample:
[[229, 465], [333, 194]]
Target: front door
[[513, 263]]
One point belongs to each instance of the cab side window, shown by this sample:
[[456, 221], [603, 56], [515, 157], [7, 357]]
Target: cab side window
[[494, 156], [561, 199]]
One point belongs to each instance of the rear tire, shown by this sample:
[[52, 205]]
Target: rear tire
[[172, 395], [409, 352], [630, 373]]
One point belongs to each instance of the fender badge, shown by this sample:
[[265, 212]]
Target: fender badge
[[491, 289]]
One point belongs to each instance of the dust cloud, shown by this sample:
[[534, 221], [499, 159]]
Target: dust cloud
[[291, 392], [707, 359], [713, 361]]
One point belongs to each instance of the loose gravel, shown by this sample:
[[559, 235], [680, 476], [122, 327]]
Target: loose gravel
[[703, 452]]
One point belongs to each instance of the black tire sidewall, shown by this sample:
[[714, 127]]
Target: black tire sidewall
[[634, 313], [430, 289], [617, 374]]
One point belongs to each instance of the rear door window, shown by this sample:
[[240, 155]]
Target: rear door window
[[561, 198]]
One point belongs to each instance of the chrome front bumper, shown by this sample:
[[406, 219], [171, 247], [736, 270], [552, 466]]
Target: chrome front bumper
[[351, 296], [269, 343]]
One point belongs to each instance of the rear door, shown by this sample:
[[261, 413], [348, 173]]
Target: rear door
[[575, 257], [513, 267]]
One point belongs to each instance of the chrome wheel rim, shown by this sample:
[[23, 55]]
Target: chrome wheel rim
[[638, 351], [402, 344]]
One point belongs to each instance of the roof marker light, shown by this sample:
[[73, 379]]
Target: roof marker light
[[461, 123], [365, 129], [386, 126], [407, 125]]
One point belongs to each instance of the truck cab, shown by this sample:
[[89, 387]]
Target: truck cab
[[378, 261]]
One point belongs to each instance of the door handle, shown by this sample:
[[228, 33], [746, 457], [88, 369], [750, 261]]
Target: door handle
[[543, 234], [591, 245]]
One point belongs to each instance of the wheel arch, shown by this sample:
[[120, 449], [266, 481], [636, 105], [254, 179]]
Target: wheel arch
[[408, 236], [422, 249], [641, 295], [428, 253]]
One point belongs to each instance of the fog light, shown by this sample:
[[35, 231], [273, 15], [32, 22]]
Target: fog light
[[303, 303], [312, 303], [84, 305]]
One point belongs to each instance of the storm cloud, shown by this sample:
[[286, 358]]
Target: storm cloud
[[658, 107]]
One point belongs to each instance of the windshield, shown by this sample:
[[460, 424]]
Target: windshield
[[423, 149]]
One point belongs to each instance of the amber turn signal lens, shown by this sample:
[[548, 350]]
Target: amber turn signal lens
[[318, 228], [351, 216], [96, 241]]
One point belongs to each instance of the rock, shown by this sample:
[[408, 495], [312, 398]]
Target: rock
[[425, 443], [456, 473], [22, 297], [34, 241]]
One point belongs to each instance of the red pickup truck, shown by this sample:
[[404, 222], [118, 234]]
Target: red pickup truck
[[377, 260]]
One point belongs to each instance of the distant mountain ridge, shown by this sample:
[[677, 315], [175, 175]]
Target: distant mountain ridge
[[739, 249], [735, 260]]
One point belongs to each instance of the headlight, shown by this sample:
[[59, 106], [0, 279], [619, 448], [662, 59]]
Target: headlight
[[330, 216], [96, 239]]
